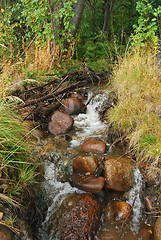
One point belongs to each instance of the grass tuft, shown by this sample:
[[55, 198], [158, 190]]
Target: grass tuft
[[17, 170], [137, 83]]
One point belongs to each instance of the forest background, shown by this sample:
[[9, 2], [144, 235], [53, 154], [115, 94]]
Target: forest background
[[105, 30]]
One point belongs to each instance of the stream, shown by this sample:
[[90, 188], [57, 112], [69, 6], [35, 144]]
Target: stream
[[60, 161]]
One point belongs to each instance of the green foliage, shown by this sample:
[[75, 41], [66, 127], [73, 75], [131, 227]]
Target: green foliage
[[12, 31], [92, 42], [55, 25], [145, 33], [46, 21], [37, 18], [123, 17], [64, 17]]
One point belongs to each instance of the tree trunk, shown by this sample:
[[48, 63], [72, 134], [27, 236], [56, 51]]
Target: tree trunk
[[78, 10], [107, 13]]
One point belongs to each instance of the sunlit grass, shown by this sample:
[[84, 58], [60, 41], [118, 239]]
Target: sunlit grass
[[138, 87]]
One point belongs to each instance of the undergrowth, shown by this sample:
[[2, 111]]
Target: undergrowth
[[137, 115]]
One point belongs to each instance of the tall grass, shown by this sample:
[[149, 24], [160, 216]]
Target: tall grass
[[137, 83], [17, 170]]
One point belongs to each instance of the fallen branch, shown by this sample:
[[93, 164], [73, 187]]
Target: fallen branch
[[52, 94]]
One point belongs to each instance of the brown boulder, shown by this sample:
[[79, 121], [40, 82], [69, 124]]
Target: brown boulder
[[94, 145], [5, 233], [119, 173], [82, 220], [85, 164], [73, 106], [157, 229], [117, 210], [60, 123], [88, 183], [78, 96]]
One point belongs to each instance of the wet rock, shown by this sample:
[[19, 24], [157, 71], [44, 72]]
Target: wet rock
[[47, 150], [108, 233], [60, 123], [145, 232], [35, 132], [85, 164], [119, 173], [25, 230], [148, 203], [78, 96], [5, 233], [117, 210], [82, 219], [88, 183], [116, 232], [38, 134], [94, 145], [73, 106], [157, 229]]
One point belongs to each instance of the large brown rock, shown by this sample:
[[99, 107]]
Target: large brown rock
[[119, 173], [5, 233], [60, 123], [94, 145], [117, 210], [73, 106], [85, 164], [157, 229], [82, 220], [88, 183]]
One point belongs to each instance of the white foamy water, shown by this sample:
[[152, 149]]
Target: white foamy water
[[56, 192], [55, 189], [135, 201], [88, 124]]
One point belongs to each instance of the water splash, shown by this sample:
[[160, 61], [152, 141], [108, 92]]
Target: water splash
[[88, 124], [135, 201]]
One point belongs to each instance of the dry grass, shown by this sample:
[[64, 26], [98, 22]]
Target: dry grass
[[138, 87]]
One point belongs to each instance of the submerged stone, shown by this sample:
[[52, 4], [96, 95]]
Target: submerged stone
[[117, 210]]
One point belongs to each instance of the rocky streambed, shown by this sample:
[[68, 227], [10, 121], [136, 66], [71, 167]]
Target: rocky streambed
[[92, 189]]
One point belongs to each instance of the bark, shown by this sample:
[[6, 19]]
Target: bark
[[78, 10]]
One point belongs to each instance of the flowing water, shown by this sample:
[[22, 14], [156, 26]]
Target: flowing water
[[87, 125]]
